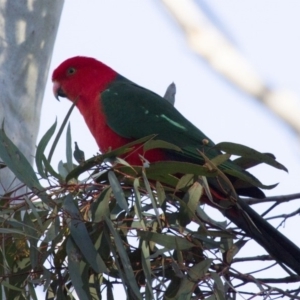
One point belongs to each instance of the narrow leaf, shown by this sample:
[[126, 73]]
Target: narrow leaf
[[125, 259], [147, 266], [19, 165], [172, 167], [165, 240], [34, 211], [117, 190], [74, 267], [185, 181], [102, 205], [81, 236], [249, 162], [69, 148], [41, 149], [241, 150], [199, 270], [63, 172], [220, 159], [60, 131], [137, 206], [154, 144], [153, 201], [233, 251]]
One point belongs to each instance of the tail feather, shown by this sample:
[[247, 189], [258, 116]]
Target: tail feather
[[281, 248]]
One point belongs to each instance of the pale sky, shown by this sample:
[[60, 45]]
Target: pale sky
[[140, 40]]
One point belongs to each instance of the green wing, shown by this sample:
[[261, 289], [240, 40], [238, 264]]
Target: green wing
[[135, 112]]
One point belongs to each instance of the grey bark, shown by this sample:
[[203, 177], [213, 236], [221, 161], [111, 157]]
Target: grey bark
[[27, 35]]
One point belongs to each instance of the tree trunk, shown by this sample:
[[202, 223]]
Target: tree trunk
[[27, 35]]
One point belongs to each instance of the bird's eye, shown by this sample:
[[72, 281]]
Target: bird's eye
[[71, 71]]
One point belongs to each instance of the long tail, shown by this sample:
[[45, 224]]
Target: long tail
[[274, 242]]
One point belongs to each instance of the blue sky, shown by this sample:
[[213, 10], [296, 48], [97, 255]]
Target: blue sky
[[140, 40]]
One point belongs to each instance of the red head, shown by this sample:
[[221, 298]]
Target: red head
[[81, 77]]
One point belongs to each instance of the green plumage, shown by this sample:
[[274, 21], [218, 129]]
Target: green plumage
[[154, 115]]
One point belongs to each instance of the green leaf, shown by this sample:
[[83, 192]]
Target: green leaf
[[85, 166], [75, 270], [194, 275], [15, 231], [172, 167], [30, 231], [34, 211], [203, 216], [193, 197], [147, 266], [168, 241], [124, 258], [101, 206], [32, 292], [50, 233], [63, 172], [185, 181], [150, 195], [117, 190], [49, 169], [233, 251], [69, 149], [219, 288], [220, 159], [60, 131], [41, 149], [11, 287], [244, 151], [154, 144], [19, 165], [81, 236], [249, 178], [249, 162], [137, 206], [128, 147], [199, 270]]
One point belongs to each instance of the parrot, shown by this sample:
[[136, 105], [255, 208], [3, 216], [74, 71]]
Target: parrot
[[118, 111]]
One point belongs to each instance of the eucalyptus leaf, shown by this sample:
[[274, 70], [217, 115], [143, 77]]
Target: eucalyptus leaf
[[63, 172], [147, 267], [166, 240], [244, 151], [61, 129], [75, 270], [174, 167], [185, 181], [153, 201], [81, 236], [31, 231], [117, 190], [125, 260], [154, 144], [41, 149], [219, 288], [19, 165], [69, 149], [101, 206]]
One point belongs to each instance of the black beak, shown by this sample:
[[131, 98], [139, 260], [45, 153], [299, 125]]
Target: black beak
[[58, 91]]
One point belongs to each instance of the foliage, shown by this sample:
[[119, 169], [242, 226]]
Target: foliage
[[102, 223]]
